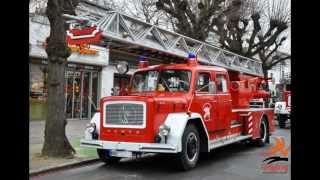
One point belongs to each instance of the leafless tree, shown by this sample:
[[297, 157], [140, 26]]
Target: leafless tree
[[38, 6], [147, 11], [193, 18], [246, 27], [255, 27], [278, 15], [114, 5]]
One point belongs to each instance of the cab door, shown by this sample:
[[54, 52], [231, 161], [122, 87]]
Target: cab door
[[204, 101], [224, 101]]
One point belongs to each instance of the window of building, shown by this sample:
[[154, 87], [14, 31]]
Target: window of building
[[38, 92], [81, 91], [222, 83]]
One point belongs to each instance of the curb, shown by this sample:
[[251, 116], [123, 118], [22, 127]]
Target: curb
[[62, 166]]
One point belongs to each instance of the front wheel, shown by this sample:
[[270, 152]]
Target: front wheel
[[188, 157], [106, 158]]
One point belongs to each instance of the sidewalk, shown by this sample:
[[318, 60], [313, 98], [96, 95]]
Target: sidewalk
[[74, 131]]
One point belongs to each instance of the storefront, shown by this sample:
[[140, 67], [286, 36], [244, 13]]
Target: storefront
[[82, 89], [84, 84]]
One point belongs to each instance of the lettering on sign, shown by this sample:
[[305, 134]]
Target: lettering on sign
[[73, 73], [83, 49]]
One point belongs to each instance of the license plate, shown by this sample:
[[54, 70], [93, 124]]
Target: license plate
[[121, 153]]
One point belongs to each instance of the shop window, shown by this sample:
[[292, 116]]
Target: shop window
[[38, 92]]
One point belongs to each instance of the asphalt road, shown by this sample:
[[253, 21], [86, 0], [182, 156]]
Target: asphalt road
[[233, 162]]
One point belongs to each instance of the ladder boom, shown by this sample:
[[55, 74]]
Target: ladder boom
[[126, 29]]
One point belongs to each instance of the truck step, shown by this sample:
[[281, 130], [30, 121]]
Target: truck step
[[227, 140], [235, 125]]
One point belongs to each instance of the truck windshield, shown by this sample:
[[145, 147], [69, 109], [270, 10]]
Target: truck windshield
[[165, 80]]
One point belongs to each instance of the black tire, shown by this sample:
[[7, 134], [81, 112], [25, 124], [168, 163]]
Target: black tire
[[264, 134], [188, 157], [104, 156], [282, 121]]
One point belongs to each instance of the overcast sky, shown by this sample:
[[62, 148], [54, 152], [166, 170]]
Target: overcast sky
[[286, 47]]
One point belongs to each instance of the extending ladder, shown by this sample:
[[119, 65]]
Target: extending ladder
[[125, 29]]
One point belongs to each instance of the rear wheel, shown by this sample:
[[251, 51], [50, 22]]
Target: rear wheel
[[188, 157], [106, 158], [264, 133]]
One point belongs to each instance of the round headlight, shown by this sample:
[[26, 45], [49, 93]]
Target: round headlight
[[122, 67], [91, 127], [164, 130]]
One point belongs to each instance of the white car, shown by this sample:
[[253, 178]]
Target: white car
[[282, 111]]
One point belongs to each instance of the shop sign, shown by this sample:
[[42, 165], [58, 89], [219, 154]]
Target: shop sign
[[81, 33], [79, 37], [83, 49], [72, 73], [86, 67]]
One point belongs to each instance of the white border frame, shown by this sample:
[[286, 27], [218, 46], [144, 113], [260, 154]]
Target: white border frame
[[125, 126]]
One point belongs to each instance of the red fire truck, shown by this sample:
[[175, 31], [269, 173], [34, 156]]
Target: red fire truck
[[180, 109]]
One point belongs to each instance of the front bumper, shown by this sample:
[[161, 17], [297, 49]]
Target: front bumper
[[129, 146]]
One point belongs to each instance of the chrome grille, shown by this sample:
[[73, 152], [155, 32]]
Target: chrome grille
[[124, 114]]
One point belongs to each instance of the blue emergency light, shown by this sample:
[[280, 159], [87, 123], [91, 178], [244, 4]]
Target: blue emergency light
[[191, 56], [142, 58], [143, 62], [192, 60]]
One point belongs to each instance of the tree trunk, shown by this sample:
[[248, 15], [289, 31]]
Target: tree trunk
[[56, 143], [265, 75]]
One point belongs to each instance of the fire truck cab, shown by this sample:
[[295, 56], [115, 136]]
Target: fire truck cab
[[180, 109]]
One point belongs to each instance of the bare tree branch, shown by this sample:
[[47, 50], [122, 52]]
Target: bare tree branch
[[278, 61]]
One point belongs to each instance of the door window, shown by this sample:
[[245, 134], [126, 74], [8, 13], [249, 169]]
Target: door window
[[86, 89], [203, 82], [221, 83]]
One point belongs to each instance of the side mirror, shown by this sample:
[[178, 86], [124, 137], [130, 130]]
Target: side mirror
[[212, 87]]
